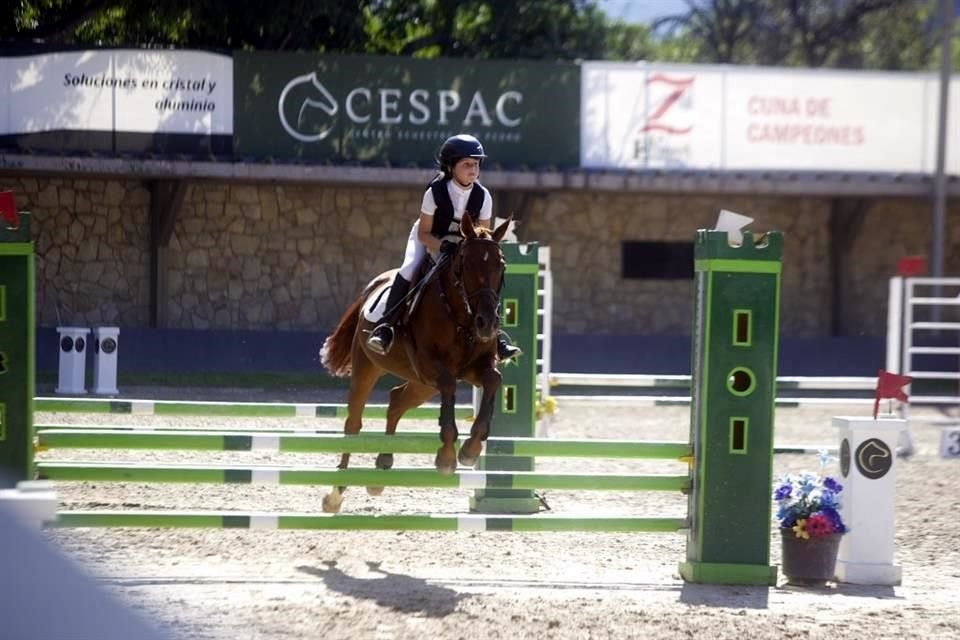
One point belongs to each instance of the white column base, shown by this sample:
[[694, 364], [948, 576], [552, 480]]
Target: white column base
[[32, 501], [867, 573]]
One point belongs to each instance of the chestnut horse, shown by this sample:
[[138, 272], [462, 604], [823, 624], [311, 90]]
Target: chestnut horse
[[450, 335]]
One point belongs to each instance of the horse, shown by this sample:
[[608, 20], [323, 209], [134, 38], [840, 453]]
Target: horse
[[449, 334]]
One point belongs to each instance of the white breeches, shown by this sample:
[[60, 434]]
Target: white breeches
[[414, 253]]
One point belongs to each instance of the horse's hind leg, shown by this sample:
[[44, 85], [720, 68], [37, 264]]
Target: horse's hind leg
[[365, 375], [402, 398]]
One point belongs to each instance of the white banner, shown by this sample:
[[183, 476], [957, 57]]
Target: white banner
[[41, 97], [825, 121], [137, 91], [953, 125], [4, 91], [637, 117], [711, 117]]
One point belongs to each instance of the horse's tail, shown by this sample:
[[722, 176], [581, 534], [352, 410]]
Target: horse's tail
[[337, 350], [335, 355]]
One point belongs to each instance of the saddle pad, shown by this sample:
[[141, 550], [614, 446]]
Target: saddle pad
[[376, 304]]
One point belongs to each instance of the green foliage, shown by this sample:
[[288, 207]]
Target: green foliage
[[630, 42], [532, 29], [317, 25], [856, 34], [870, 34]]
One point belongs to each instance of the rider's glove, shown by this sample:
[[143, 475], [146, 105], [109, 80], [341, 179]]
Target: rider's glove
[[448, 248]]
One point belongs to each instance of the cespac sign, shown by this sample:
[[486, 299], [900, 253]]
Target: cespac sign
[[389, 106], [397, 110]]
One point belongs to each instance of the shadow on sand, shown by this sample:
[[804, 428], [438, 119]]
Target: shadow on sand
[[393, 590]]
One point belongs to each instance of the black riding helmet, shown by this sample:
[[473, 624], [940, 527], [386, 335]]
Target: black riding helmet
[[458, 147]]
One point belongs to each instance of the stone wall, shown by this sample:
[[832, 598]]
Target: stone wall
[[250, 257], [585, 232], [92, 246], [293, 256]]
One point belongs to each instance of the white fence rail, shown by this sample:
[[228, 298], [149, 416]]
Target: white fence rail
[[923, 320]]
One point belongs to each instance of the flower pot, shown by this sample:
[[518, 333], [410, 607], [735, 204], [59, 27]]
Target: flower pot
[[809, 561]]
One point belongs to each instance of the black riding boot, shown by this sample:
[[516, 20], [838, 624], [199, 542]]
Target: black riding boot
[[382, 336], [505, 347]]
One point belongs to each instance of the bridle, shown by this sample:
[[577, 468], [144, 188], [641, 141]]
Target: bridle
[[484, 293]]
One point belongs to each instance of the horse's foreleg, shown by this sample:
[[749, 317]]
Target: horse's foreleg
[[402, 398], [473, 447], [364, 376], [446, 460]]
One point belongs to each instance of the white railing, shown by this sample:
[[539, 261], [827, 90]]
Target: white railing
[[909, 330], [544, 340]]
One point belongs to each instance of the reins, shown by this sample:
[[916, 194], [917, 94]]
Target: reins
[[465, 296]]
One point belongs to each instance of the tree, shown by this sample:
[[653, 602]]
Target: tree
[[630, 42], [537, 29], [873, 34], [877, 34], [318, 25], [533, 29]]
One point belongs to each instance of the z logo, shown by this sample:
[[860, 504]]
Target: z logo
[[676, 89]]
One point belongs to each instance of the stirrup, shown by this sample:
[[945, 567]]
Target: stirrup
[[381, 339], [507, 351]]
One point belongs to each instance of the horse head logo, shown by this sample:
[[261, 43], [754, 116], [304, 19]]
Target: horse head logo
[[874, 458], [325, 102]]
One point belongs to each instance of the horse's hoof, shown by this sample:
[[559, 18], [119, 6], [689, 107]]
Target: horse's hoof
[[331, 503], [466, 460], [374, 491], [384, 461], [445, 467]]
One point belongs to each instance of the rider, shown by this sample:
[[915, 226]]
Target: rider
[[453, 191]]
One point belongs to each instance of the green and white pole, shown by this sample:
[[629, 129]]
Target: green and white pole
[[515, 411], [16, 352], [736, 315]]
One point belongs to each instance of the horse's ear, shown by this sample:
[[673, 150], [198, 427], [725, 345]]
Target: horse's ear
[[501, 231], [466, 226]]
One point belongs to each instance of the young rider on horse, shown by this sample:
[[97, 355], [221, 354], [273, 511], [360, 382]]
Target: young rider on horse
[[453, 191]]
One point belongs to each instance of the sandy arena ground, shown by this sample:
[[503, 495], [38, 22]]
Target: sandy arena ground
[[293, 585]]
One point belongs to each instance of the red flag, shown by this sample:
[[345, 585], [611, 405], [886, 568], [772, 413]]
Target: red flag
[[8, 210], [889, 385]]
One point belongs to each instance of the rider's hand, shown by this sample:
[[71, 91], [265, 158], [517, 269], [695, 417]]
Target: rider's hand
[[448, 248]]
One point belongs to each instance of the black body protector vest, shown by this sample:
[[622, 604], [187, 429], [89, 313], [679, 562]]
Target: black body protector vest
[[443, 222]]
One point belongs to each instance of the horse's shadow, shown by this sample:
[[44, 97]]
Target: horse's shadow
[[394, 590]]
